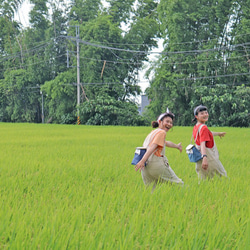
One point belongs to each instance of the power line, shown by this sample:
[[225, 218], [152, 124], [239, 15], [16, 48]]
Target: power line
[[123, 61], [43, 45], [204, 61], [223, 48], [211, 77], [30, 64], [121, 83], [128, 61], [27, 51], [182, 43], [96, 44], [110, 61], [243, 84], [181, 79]]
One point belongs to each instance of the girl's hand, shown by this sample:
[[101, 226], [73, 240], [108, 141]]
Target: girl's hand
[[173, 145], [204, 163], [221, 134], [140, 165], [179, 146]]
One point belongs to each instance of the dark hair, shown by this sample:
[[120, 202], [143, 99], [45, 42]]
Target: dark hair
[[194, 119], [169, 114], [198, 109], [155, 124]]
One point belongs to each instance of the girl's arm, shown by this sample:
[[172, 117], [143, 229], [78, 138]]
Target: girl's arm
[[150, 150], [220, 134], [173, 145], [203, 152]]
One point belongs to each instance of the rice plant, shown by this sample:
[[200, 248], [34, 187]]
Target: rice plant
[[73, 187]]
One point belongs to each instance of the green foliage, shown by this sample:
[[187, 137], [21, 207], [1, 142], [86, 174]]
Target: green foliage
[[68, 119], [105, 110], [204, 61], [101, 30], [60, 98], [116, 79], [231, 108], [120, 10], [20, 99], [40, 51], [39, 19], [84, 10], [8, 8]]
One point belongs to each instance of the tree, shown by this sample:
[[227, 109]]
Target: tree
[[21, 101], [9, 30], [197, 62], [8, 8], [228, 108], [60, 102], [106, 110], [120, 11], [83, 11], [106, 69]]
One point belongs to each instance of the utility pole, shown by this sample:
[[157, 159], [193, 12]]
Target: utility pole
[[42, 107], [78, 72], [78, 84]]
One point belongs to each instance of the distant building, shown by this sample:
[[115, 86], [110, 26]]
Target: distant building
[[144, 103]]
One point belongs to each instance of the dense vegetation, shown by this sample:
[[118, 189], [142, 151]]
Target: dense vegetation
[[205, 59]]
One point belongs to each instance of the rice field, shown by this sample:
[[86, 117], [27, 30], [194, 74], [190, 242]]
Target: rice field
[[73, 187]]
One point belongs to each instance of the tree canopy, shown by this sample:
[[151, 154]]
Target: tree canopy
[[205, 59]]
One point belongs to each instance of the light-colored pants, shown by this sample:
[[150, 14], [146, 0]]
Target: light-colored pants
[[158, 171], [214, 165]]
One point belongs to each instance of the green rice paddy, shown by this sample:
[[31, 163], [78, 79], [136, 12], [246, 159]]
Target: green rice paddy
[[73, 187]]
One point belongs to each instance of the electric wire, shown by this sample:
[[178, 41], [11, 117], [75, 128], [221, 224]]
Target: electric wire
[[223, 48], [164, 63], [212, 77], [31, 64], [43, 45]]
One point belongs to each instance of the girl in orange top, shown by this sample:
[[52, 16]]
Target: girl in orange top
[[210, 163], [157, 167]]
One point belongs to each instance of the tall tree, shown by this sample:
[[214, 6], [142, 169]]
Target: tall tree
[[9, 55], [84, 10], [107, 67], [194, 62], [40, 51], [8, 8], [120, 11], [61, 98], [21, 100], [230, 99]]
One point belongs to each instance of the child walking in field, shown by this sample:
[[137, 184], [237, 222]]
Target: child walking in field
[[210, 163], [157, 167]]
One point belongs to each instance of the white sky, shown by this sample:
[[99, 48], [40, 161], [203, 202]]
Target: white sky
[[23, 16]]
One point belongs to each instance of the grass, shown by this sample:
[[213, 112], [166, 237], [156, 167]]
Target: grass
[[73, 187]]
